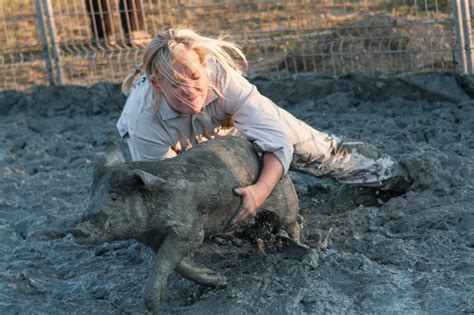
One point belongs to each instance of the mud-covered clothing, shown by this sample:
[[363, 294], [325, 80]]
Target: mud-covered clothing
[[165, 133]]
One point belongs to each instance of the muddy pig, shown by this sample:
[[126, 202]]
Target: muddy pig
[[171, 205]]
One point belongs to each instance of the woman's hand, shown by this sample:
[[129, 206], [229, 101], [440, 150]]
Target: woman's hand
[[253, 196]]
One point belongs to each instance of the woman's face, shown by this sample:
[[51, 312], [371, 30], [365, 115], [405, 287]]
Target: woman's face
[[188, 95]]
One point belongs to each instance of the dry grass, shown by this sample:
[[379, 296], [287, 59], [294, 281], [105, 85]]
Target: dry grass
[[279, 37]]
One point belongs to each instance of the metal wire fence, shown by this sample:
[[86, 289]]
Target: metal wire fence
[[87, 41]]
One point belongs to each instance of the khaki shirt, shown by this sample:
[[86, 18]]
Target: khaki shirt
[[166, 133]]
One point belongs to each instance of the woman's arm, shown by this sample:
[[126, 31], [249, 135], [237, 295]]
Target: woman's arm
[[260, 121], [254, 196], [254, 115]]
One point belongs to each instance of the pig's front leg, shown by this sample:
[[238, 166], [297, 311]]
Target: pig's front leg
[[172, 250], [200, 274]]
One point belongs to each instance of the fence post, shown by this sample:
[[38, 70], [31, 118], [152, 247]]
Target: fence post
[[466, 16], [459, 35], [44, 42], [54, 45]]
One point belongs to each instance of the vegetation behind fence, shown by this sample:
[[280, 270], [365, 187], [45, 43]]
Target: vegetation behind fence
[[87, 41]]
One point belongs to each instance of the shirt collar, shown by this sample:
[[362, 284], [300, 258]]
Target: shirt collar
[[166, 112]]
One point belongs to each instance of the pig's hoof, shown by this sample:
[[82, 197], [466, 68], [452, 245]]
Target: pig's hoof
[[151, 304], [214, 280], [152, 299], [220, 282]]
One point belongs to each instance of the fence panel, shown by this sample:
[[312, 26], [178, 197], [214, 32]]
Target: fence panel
[[102, 40], [22, 62]]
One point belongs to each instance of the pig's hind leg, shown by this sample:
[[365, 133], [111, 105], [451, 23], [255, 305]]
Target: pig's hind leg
[[200, 274], [294, 230]]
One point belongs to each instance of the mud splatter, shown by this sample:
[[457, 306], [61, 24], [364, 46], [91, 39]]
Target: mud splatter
[[412, 252]]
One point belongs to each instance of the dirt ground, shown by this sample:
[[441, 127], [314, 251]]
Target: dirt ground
[[412, 253]]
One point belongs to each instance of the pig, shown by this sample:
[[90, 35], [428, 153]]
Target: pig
[[171, 205]]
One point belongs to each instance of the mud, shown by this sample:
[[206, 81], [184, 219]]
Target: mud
[[372, 251]]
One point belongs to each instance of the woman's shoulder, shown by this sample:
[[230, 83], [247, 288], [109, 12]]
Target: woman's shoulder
[[214, 70], [222, 78]]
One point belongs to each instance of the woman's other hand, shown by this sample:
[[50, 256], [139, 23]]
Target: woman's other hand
[[253, 196]]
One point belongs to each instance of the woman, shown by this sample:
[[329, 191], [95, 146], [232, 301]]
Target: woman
[[192, 85]]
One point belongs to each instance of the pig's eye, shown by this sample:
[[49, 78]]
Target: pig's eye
[[113, 196]]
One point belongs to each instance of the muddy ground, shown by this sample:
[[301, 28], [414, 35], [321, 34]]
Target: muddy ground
[[385, 254]]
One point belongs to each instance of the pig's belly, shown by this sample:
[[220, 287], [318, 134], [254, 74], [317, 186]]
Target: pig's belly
[[216, 211]]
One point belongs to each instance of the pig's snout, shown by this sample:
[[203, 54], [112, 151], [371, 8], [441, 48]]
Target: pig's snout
[[78, 233], [81, 236]]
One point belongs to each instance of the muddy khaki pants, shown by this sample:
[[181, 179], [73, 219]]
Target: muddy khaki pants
[[344, 160]]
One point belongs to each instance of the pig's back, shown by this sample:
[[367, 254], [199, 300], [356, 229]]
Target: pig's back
[[237, 155], [225, 163]]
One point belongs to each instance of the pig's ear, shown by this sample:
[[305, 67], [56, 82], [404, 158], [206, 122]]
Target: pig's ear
[[113, 154], [147, 180], [100, 163]]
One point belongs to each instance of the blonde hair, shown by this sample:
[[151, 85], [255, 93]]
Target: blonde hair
[[168, 46]]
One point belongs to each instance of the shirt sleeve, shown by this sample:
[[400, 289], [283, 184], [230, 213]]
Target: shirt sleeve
[[256, 116]]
